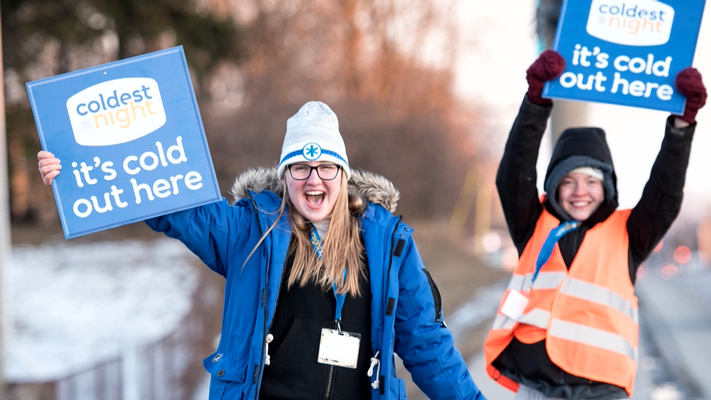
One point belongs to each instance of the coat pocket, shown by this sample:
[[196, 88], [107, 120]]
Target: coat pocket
[[226, 367], [227, 376], [225, 390], [397, 389], [437, 298]]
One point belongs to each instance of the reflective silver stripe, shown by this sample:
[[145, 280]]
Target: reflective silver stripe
[[503, 322], [592, 337], [544, 280], [596, 294], [516, 282], [548, 280], [536, 317]]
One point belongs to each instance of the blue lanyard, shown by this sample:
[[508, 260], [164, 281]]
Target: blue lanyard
[[340, 298], [549, 244]]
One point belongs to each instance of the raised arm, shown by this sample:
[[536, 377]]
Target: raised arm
[[662, 196], [516, 177]]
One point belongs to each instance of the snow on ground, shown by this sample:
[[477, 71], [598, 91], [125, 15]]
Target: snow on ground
[[73, 305]]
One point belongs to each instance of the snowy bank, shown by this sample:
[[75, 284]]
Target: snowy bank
[[73, 305]]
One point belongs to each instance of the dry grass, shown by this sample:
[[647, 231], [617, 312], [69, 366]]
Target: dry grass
[[458, 274], [452, 263]]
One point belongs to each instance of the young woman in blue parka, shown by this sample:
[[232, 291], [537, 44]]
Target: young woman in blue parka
[[323, 283]]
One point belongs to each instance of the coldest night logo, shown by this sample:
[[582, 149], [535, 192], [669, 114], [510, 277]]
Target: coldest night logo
[[116, 111], [630, 22]]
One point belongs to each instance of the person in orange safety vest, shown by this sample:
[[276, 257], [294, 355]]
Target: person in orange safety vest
[[567, 326]]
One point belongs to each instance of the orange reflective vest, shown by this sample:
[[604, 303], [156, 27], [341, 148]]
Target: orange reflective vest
[[587, 314]]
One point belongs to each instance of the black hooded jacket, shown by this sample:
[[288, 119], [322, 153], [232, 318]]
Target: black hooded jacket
[[648, 222], [581, 147]]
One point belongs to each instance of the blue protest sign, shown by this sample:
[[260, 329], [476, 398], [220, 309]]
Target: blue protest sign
[[130, 139], [626, 52]]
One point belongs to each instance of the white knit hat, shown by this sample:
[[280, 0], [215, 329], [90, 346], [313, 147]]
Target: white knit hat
[[312, 135], [589, 171]]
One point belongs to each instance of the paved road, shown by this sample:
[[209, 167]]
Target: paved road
[[678, 314]]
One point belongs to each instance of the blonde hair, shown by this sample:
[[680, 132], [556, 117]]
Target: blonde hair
[[342, 245]]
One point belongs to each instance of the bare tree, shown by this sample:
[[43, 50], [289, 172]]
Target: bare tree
[[42, 38], [386, 67]]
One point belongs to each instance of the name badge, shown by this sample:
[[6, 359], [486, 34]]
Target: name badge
[[514, 305], [339, 349]]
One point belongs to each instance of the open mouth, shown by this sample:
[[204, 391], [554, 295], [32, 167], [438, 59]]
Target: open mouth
[[315, 198]]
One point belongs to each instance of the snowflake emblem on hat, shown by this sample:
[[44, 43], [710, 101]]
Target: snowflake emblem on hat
[[311, 151]]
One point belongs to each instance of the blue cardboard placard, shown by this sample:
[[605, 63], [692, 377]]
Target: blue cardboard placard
[[625, 52], [130, 139]]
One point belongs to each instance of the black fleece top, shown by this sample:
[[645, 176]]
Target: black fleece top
[[648, 222], [294, 371]]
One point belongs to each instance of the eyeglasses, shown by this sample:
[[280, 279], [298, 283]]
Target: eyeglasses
[[302, 172]]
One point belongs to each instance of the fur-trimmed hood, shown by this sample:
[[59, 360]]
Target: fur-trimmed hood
[[374, 187]]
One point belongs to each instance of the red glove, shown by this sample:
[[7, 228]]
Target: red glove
[[689, 83], [549, 65]]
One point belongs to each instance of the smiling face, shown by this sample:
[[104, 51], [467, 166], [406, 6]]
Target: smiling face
[[313, 198], [580, 195]]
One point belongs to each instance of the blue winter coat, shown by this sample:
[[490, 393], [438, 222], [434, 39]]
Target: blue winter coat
[[406, 316]]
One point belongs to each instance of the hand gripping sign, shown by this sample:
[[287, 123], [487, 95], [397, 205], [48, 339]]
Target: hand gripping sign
[[625, 52], [130, 139]]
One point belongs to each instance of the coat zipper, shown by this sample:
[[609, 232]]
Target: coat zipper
[[264, 337], [437, 297], [265, 294], [331, 372], [258, 373], [390, 262], [387, 285], [264, 356], [330, 382]]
